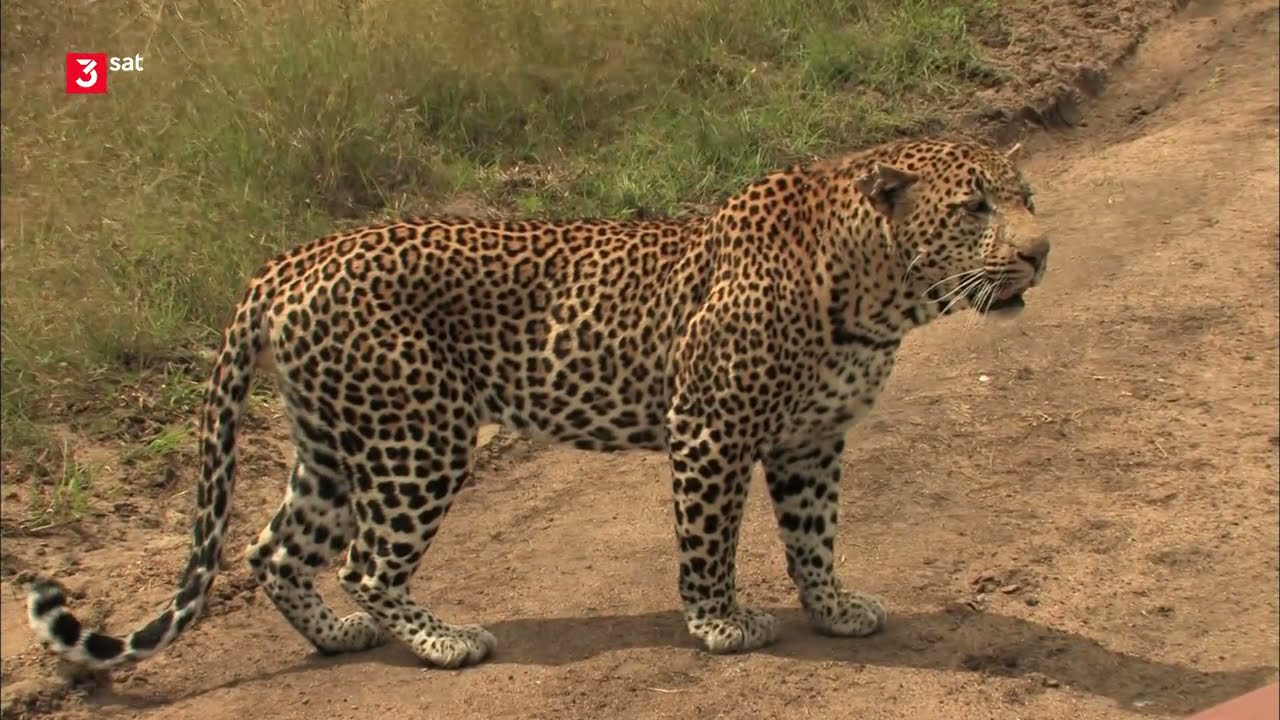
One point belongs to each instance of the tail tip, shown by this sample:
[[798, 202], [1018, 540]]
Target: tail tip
[[44, 596]]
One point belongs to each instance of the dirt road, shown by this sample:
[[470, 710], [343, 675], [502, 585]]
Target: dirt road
[[1070, 515]]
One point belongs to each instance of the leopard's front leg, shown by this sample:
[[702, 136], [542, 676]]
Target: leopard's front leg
[[804, 483]]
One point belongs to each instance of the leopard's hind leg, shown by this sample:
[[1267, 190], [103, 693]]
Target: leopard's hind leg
[[313, 525], [398, 512]]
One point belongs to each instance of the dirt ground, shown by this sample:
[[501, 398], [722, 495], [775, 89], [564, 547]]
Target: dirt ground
[[1070, 515]]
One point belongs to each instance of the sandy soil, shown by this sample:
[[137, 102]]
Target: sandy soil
[[1071, 515]]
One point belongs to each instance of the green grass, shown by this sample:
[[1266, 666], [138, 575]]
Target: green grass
[[66, 499], [131, 220], [163, 444]]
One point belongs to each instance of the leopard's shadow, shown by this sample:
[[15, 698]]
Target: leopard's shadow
[[984, 643]]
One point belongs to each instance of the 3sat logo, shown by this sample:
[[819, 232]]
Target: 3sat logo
[[87, 72]]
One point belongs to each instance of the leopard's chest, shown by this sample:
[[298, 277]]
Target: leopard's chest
[[839, 391]]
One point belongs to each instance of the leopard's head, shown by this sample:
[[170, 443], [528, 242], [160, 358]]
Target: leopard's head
[[963, 216]]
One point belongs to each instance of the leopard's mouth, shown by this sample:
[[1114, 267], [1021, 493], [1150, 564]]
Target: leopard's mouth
[[1007, 305], [1008, 301]]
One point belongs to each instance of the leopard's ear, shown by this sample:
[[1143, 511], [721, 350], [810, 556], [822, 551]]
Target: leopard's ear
[[1013, 152], [884, 186]]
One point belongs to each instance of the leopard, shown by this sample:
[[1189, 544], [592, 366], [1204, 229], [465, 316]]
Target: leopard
[[757, 331]]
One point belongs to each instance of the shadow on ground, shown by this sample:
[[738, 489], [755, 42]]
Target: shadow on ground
[[949, 640]]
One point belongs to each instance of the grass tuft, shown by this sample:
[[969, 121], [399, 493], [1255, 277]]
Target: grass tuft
[[67, 499]]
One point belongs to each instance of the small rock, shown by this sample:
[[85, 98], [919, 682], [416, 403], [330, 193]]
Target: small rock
[[965, 606], [1031, 601], [1010, 589], [984, 378], [985, 583]]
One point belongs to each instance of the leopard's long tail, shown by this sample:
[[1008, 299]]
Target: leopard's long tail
[[224, 403]]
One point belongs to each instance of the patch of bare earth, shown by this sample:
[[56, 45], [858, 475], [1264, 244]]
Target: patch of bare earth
[[1071, 514]]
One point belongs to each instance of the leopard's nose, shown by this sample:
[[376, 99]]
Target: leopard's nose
[[1036, 253]]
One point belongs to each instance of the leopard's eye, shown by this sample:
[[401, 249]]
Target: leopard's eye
[[978, 206]]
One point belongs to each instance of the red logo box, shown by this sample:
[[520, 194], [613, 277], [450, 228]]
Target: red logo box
[[86, 73]]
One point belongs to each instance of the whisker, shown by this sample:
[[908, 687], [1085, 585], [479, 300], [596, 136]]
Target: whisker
[[954, 300], [1002, 276], [958, 276], [962, 287], [989, 299], [965, 273], [910, 265], [960, 293], [983, 301], [981, 304]]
